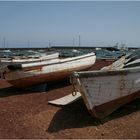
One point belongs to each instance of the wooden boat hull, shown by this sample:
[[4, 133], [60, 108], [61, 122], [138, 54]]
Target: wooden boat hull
[[4, 84], [51, 72], [107, 108], [105, 91]]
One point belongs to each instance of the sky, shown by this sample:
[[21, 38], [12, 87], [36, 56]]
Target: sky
[[98, 23]]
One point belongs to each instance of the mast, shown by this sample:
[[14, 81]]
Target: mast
[[79, 40], [49, 44], [73, 42], [7, 44], [4, 43]]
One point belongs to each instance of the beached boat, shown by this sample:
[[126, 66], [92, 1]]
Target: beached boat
[[105, 91], [21, 75], [134, 63], [125, 61], [25, 60], [118, 64]]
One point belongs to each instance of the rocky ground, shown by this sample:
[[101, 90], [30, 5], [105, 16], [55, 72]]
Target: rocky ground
[[27, 114]]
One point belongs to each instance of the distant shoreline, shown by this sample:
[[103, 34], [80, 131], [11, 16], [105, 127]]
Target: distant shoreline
[[66, 47]]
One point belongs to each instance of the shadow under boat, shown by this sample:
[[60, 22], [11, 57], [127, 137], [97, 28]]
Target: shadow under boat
[[40, 88], [76, 115], [10, 91]]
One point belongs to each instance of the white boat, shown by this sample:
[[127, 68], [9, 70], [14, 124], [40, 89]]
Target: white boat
[[105, 91], [24, 76], [19, 60]]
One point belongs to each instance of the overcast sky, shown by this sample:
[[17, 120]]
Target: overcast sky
[[100, 23]]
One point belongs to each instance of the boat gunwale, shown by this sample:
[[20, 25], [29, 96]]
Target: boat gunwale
[[125, 71], [61, 61], [73, 58]]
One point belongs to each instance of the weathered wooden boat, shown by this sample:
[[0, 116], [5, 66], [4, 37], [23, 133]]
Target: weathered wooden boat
[[24, 76], [105, 91], [134, 63], [25, 60], [125, 61]]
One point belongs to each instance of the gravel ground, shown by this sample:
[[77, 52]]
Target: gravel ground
[[27, 114]]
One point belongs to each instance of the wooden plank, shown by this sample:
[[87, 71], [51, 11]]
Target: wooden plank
[[68, 99]]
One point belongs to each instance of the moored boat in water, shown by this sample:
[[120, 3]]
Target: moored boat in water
[[24, 76], [105, 91]]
